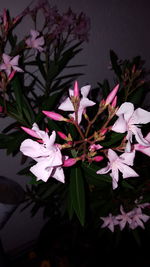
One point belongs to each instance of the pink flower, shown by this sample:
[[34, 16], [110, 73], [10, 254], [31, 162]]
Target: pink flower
[[144, 149], [109, 221], [84, 103], [128, 122], [34, 41], [138, 218], [119, 163], [10, 64], [124, 218], [47, 155]]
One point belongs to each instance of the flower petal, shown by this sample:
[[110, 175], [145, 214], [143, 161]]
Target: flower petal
[[112, 155], [139, 136], [42, 170], [85, 102], [143, 149], [58, 174], [30, 148], [140, 116], [126, 109], [66, 105], [104, 170], [85, 90], [127, 171], [120, 126], [128, 158], [14, 60], [6, 58]]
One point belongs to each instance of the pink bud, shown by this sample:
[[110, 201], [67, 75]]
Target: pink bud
[[47, 130], [40, 141], [114, 102], [133, 68], [69, 162], [95, 147], [76, 89], [16, 19], [54, 116], [62, 135], [5, 19], [11, 75], [30, 131], [98, 158], [112, 94], [103, 131], [1, 109]]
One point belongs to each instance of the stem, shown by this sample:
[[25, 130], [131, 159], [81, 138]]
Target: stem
[[94, 119], [79, 130]]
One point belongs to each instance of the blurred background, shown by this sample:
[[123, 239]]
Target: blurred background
[[122, 26]]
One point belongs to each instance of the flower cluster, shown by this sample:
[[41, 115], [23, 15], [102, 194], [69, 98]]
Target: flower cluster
[[89, 147], [132, 218], [46, 46], [84, 144]]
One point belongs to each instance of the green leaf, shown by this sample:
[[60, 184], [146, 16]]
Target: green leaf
[[70, 205], [92, 177], [115, 65], [18, 93], [112, 139], [77, 193]]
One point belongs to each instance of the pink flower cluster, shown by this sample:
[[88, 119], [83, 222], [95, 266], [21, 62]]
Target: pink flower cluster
[[68, 23], [50, 158], [132, 218]]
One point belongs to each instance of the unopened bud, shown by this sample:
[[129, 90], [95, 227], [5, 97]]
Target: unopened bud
[[69, 162], [54, 116], [112, 95], [62, 135], [30, 132], [76, 89], [1, 109], [98, 158], [114, 102], [11, 75]]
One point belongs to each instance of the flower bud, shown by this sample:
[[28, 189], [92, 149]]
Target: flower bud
[[30, 132], [1, 109], [62, 135], [76, 89], [98, 158], [69, 162], [11, 75], [114, 102], [112, 95], [54, 116]]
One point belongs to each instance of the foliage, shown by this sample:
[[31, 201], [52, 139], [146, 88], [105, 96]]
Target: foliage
[[76, 146]]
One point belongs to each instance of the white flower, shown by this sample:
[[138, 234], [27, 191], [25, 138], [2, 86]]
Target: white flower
[[128, 122], [109, 221], [34, 41], [119, 163], [9, 64], [138, 218], [84, 102], [47, 155]]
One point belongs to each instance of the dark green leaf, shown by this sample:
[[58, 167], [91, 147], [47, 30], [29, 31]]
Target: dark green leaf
[[115, 65], [77, 193], [92, 177]]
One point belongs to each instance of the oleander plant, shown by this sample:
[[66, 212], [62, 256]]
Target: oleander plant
[[86, 149]]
